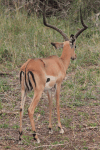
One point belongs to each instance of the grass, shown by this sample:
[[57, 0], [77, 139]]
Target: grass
[[7, 147], [4, 126], [66, 122], [23, 37], [82, 85], [15, 126], [1, 105], [4, 86], [27, 138]]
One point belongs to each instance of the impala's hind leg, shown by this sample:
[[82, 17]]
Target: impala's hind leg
[[23, 97], [58, 107], [50, 111], [31, 109]]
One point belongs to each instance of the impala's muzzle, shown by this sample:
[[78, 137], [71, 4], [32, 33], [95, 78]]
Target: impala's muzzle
[[73, 58]]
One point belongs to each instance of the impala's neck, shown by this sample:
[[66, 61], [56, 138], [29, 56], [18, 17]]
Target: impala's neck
[[66, 55]]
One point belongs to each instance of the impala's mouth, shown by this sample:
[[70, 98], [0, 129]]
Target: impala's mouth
[[73, 58]]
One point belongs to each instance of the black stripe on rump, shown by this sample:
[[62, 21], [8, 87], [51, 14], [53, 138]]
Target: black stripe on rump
[[32, 77], [30, 84], [25, 80], [21, 76]]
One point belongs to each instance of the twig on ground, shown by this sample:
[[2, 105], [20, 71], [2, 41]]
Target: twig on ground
[[8, 112], [49, 145]]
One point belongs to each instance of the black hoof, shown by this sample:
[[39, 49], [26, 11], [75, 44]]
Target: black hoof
[[34, 135], [20, 133], [50, 131]]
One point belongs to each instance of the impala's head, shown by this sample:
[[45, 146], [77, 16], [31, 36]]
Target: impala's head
[[72, 43], [69, 44], [68, 48]]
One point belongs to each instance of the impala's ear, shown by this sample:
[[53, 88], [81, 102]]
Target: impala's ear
[[57, 45]]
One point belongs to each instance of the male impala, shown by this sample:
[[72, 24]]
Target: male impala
[[42, 74]]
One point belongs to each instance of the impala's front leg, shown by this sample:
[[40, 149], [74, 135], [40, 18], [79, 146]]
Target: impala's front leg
[[37, 96], [50, 111], [58, 107]]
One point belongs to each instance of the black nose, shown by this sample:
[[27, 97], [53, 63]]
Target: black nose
[[73, 58]]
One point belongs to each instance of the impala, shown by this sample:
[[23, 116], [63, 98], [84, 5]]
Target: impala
[[41, 74]]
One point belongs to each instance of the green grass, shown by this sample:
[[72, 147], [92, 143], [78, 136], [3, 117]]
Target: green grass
[[66, 122], [82, 86], [4, 86], [1, 105], [23, 37], [15, 126], [27, 139], [4, 126], [92, 124], [7, 147]]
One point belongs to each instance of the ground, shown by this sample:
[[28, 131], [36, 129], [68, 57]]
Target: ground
[[80, 123]]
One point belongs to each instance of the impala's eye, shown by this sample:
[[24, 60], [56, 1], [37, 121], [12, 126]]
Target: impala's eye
[[75, 46]]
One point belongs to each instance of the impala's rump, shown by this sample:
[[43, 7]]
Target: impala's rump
[[29, 71]]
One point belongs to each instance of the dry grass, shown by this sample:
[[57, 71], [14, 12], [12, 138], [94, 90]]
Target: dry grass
[[22, 38]]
